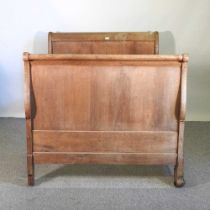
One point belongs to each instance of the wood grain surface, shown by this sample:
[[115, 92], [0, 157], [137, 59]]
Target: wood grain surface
[[104, 43], [110, 109]]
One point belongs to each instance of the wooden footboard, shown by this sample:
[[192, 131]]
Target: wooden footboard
[[110, 109]]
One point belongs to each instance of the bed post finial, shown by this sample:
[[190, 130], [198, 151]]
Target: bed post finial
[[26, 56], [185, 57], [156, 34], [50, 51]]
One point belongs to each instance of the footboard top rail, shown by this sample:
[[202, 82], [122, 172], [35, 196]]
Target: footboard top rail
[[105, 57]]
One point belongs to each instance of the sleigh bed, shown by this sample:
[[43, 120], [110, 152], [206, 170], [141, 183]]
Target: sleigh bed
[[102, 108]]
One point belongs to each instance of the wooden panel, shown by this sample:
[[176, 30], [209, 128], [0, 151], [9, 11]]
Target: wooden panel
[[104, 43], [101, 36], [83, 141], [104, 47], [87, 95], [104, 158]]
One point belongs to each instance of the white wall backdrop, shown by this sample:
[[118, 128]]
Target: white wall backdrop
[[183, 25]]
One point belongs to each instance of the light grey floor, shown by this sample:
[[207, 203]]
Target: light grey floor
[[103, 187]]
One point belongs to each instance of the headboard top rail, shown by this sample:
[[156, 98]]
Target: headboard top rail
[[101, 36]]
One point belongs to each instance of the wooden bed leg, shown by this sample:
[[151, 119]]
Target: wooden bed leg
[[179, 168], [30, 166], [30, 180], [179, 174], [28, 117]]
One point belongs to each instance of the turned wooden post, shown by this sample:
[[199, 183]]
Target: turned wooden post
[[179, 167], [27, 104]]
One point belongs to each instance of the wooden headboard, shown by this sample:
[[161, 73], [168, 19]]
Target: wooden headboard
[[104, 43]]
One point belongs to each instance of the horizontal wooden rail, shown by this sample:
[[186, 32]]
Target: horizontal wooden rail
[[113, 36], [105, 141], [31, 57], [105, 158]]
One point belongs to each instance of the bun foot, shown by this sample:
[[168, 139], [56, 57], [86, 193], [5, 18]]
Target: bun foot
[[179, 182], [30, 180]]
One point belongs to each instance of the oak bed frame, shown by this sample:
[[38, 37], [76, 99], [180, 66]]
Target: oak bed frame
[[104, 43], [105, 109]]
